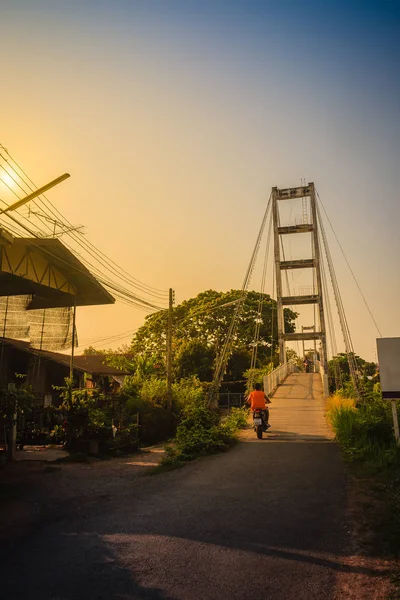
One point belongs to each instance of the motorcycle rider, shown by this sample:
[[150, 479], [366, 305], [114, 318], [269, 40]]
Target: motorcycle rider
[[257, 399]]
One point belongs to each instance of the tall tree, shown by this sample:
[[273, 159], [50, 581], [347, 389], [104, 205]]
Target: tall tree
[[200, 328]]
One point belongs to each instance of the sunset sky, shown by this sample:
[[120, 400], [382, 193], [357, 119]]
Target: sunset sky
[[175, 119]]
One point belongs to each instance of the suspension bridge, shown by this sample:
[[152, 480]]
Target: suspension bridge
[[298, 245]]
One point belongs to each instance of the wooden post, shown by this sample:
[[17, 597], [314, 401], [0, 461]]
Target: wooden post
[[395, 422], [4, 335], [70, 427], [71, 363], [169, 350]]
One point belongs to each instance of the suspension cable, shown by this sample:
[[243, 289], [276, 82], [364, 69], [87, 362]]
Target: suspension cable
[[342, 315], [332, 335], [260, 301], [226, 351], [349, 266], [94, 252], [117, 289]]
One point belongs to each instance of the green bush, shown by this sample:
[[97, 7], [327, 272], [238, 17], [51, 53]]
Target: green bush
[[365, 433], [197, 433], [200, 432], [149, 399], [58, 434], [154, 391], [187, 391], [237, 419]]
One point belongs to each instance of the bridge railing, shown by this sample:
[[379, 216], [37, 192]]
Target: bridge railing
[[273, 379], [319, 368]]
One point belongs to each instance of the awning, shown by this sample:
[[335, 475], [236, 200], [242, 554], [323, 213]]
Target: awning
[[52, 274]]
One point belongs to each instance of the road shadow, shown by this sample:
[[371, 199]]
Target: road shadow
[[67, 574], [279, 506]]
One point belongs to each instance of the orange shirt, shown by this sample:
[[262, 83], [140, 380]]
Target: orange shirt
[[257, 399]]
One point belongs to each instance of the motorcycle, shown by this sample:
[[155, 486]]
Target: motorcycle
[[259, 424]]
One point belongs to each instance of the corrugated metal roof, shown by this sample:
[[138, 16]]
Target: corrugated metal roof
[[91, 363], [89, 290]]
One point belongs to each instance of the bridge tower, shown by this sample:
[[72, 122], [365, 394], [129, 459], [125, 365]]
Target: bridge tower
[[279, 195]]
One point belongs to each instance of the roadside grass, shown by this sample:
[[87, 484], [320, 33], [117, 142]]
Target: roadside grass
[[365, 435]]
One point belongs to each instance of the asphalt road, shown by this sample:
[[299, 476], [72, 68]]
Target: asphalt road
[[265, 520]]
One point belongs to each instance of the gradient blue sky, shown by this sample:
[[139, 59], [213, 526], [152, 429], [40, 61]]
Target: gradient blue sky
[[175, 119]]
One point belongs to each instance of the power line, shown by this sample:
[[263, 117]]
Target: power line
[[94, 252], [117, 289], [112, 338], [120, 292]]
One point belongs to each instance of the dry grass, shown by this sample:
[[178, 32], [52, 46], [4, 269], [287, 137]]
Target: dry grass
[[336, 402]]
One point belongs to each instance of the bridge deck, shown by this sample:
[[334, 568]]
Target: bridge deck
[[297, 412]]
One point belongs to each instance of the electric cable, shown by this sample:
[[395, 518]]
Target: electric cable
[[53, 210]]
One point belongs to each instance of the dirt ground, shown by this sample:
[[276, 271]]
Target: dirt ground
[[33, 489], [366, 552]]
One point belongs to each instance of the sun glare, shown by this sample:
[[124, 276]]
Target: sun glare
[[7, 179]]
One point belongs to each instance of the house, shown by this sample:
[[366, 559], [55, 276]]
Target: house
[[46, 370]]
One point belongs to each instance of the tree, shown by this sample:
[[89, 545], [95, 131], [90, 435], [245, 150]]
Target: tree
[[340, 377], [90, 351], [194, 358], [200, 328], [292, 355]]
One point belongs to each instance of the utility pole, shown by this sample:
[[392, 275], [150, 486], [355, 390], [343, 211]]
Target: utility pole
[[71, 362], [70, 429], [169, 349]]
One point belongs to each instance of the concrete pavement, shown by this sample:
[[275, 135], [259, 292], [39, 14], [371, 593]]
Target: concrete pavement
[[297, 411]]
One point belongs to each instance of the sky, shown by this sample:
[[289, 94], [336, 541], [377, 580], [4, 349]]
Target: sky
[[176, 118]]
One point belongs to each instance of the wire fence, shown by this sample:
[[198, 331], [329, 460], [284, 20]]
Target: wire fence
[[230, 400]]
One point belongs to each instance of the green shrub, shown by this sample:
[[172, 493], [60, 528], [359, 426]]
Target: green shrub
[[237, 419], [197, 432], [365, 433], [149, 399], [187, 391], [58, 434], [200, 432], [154, 391]]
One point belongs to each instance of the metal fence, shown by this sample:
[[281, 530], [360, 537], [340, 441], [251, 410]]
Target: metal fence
[[230, 400], [273, 379]]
